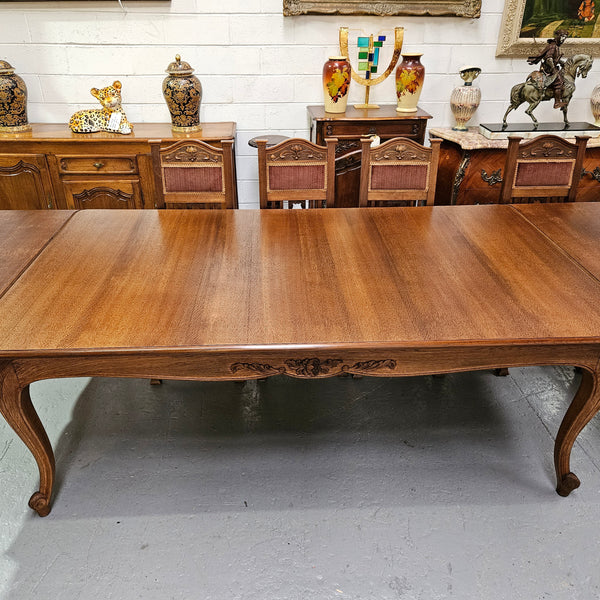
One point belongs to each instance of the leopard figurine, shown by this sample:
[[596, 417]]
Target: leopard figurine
[[108, 118]]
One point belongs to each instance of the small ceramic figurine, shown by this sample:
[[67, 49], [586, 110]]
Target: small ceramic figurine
[[108, 118]]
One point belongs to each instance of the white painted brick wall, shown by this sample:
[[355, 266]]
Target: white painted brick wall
[[257, 68]]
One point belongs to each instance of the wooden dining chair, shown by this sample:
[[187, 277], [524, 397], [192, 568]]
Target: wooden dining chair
[[399, 172], [296, 174], [546, 168], [193, 174]]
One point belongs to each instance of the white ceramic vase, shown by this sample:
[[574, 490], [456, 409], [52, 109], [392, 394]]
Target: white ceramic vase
[[595, 104], [465, 99]]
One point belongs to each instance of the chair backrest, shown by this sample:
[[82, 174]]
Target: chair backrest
[[546, 168], [296, 172], [193, 174], [399, 172]]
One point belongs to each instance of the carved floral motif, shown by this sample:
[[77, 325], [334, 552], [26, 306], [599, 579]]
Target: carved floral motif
[[314, 367], [190, 153], [400, 152], [298, 152], [547, 150]]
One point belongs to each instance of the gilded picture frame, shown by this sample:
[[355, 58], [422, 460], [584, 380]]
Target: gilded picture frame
[[527, 25], [383, 8]]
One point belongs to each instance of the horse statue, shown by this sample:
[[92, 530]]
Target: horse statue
[[534, 91]]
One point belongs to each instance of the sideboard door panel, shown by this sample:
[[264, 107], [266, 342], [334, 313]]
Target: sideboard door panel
[[99, 194], [25, 182]]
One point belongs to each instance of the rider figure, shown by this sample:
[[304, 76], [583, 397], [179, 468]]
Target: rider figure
[[551, 66]]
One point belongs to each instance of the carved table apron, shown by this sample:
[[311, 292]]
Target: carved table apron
[[312, 293]]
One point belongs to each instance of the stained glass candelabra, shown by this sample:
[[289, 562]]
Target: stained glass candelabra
[[369, 49]]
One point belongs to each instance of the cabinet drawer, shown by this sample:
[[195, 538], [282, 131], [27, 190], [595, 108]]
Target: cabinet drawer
[[86, 165], [410, 129]]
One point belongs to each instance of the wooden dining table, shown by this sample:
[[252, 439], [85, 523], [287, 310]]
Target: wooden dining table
[[243, 294]]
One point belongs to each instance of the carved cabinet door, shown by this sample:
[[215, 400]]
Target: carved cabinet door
[[25, 182], [103, 194]]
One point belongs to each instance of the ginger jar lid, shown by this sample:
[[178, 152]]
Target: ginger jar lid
[[5, 68], [179, 67]]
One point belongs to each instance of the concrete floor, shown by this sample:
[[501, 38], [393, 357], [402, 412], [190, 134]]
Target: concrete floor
[[420, 488]]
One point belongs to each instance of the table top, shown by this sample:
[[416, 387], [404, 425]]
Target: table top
[[574, 226], [375, 278], [23, 234]]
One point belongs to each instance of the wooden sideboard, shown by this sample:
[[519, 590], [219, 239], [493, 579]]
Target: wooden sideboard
[[471, 166], [52, 167], [349, 127]]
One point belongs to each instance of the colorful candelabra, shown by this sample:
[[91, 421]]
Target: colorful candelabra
[[369, 49]]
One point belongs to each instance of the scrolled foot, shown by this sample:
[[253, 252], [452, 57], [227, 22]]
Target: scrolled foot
[[567, 484], [40, 504]]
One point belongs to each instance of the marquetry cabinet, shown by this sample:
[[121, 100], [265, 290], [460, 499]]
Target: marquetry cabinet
[[349, 128], [471, 168], [52, 167]]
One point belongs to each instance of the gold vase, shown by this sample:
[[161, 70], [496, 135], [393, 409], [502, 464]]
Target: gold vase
[[13, 101]]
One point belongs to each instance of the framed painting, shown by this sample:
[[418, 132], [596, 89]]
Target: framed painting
[[528, 24], [383, 8]]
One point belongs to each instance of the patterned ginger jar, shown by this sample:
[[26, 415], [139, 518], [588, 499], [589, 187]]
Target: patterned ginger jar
[[13, 101], [410, 74], [183, 93], [336, 83], [465, 99]]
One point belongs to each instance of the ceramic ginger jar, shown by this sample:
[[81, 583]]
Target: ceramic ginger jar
[[13, 101], [183, 94]]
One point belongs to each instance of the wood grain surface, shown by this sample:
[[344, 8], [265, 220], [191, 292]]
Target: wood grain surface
[[376, 277], [23, 234], [574, 226]]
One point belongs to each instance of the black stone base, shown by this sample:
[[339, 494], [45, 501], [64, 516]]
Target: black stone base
[[496, 131]]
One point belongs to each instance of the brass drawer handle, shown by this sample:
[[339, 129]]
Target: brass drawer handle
[[98, 165]]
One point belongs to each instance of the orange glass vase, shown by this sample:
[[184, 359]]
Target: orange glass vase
[[336, 84], [410, 75]]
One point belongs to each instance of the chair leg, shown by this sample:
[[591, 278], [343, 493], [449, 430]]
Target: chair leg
[[501, 372]]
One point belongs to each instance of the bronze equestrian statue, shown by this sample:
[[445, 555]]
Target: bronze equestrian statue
[[555, 79]]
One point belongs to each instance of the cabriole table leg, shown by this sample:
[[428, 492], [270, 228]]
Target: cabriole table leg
[[583, 407], [17, 409]]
